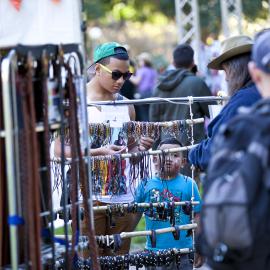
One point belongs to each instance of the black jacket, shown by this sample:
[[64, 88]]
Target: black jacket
[[180, 83]]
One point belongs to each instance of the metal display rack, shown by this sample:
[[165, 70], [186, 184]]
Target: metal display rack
[[55, 249], [13, 68]]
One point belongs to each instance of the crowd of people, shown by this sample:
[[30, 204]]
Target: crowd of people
[[246, 64]]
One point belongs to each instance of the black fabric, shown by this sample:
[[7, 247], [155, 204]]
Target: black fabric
[[260, 261], [180, 83], [128, 89]]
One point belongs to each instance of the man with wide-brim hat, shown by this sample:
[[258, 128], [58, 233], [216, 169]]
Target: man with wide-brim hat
[[233, 59]]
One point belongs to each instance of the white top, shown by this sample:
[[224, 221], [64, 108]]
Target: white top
[[116, 116]]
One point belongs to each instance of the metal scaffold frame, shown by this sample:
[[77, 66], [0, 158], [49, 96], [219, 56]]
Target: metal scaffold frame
[[8, 83], [231, 9], [188, 24], [188, 21]]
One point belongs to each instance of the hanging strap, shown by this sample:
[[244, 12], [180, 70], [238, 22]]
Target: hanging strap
[[176, 233], [117, 242], [153, 238]]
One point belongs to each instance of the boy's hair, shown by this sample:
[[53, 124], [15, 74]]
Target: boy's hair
[[121, 56], [169, 140], [183, 56]]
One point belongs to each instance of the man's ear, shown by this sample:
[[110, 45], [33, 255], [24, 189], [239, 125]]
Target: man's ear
[[254, 72], [97, 69]]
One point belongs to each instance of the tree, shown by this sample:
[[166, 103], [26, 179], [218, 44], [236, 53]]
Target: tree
[[108, 11]]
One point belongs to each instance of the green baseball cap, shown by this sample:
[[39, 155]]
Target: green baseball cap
[[108, 49]]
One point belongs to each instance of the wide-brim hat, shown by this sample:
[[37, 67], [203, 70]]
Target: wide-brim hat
[[231, 47]]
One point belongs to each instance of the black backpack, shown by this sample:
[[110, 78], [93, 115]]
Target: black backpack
[[236, 202]]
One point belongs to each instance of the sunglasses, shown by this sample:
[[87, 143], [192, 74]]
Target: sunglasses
[[116, 74]]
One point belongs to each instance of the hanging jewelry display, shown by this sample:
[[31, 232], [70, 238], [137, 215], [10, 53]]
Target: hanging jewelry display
[[138, 260], [108, 176], [100, 133]]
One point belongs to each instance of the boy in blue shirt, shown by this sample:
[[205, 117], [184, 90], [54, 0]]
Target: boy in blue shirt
[[169, 186]]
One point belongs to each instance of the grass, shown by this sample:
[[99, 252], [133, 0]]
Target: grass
[[61, 231], [138, 243]]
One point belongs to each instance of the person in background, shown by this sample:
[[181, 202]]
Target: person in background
[[181, 82], [145, 80], [169, 186], [259, 66], [233, 59]]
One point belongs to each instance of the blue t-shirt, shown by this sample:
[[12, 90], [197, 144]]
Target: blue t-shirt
[[159, 190]]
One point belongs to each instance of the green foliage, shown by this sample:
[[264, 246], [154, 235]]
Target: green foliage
[[210, 21], [94, 9], [161, 11], [133, 10], [61, 231], [122, 12], [139, 242], [254, 9]]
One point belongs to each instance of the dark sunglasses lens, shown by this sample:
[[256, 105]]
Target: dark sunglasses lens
[[127, 75], [116, 75]]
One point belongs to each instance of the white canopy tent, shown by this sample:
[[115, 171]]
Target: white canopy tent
[[39, 22]]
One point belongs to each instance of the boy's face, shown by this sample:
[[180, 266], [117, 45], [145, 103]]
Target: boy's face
[[173, 161], [105, 76]]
